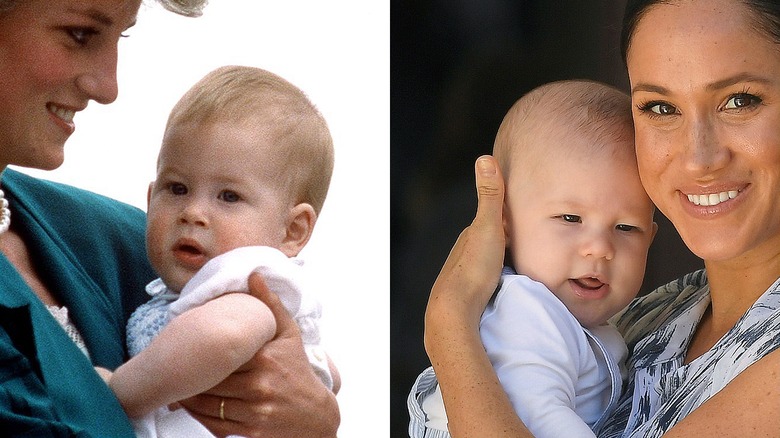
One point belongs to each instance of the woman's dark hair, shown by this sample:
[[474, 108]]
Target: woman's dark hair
[[766, 13]]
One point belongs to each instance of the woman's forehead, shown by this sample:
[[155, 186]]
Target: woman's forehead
[[692, 39], [106, 12]]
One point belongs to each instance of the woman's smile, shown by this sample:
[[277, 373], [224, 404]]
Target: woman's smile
[[712, 198], [63, 113], [63, 117]]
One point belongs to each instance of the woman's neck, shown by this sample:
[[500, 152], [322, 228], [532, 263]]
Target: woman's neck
[[736, 285], [16, 251]]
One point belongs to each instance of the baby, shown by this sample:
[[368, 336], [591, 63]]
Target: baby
[[578, 225], [242, 174]]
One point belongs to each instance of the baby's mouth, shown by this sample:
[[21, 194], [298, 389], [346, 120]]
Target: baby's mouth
[[189, 249], [190, 254], [590, 283]]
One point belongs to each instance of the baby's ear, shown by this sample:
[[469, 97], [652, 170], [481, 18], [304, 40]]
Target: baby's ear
[[300, 224], [507, 232], [506, 224]]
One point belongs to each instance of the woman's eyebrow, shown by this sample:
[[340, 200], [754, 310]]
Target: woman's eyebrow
[[713, 86], [650, 88], [736, 79], [94, 14], [99, 17]]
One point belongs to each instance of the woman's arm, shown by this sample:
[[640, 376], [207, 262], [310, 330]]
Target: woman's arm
[[194, 352], [276, 394], [476, 404], [748, 406]]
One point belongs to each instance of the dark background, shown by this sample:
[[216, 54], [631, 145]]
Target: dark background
[[456, 68]]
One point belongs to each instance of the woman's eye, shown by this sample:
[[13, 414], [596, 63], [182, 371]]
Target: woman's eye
[[624, 227], [663, 109], [229, 196], [573, 218], [178, 189], [81, 35], [741, 100]]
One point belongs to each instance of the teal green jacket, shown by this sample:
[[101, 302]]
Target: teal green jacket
[[90, 250]]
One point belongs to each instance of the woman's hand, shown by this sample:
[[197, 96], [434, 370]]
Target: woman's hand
[[476, 404], [473, 267], [276, 394]]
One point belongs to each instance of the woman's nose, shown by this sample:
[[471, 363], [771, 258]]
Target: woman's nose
[[98, 81], [705, 150]]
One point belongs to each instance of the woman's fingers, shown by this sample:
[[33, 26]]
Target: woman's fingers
[[276, 393], [473, 267], [488, 239], [490, 193], [472, 270], [285, 324]]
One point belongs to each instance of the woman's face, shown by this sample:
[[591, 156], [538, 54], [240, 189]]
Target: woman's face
[[55, 55], [705, 87]]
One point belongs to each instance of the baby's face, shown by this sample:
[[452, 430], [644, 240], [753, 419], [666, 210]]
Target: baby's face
[[216, 190], [581, 223]]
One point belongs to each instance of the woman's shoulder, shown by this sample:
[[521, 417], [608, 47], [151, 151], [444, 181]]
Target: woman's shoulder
[[102, 236], [58, 202], [648, 312]]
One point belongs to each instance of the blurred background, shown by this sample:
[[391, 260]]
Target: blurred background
[[456, 68]]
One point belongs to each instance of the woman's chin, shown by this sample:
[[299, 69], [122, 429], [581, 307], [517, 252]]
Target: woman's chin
[[43, 163], [713, 250]]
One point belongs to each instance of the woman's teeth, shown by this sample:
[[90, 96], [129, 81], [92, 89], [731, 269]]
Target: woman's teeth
[[64, 114], [713, 198]]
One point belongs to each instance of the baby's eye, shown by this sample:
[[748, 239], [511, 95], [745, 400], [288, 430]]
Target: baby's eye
[[229, 196], [178, 189], [624, 227], [573, 218]]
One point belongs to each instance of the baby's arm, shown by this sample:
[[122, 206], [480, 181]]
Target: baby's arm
[[194, 352]]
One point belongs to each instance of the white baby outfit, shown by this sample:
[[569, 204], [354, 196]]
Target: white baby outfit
[[562, 379], [224, 274]]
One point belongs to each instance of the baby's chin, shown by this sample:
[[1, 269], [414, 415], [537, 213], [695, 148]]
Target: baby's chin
[[175, 284], [590, 318]]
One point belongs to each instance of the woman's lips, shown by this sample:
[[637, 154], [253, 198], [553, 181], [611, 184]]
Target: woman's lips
[[63, 117], [713, 204]]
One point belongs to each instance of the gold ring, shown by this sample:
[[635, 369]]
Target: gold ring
[[222, 410]]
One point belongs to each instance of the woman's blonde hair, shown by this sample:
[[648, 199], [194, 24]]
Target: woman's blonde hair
[[189, 8]]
